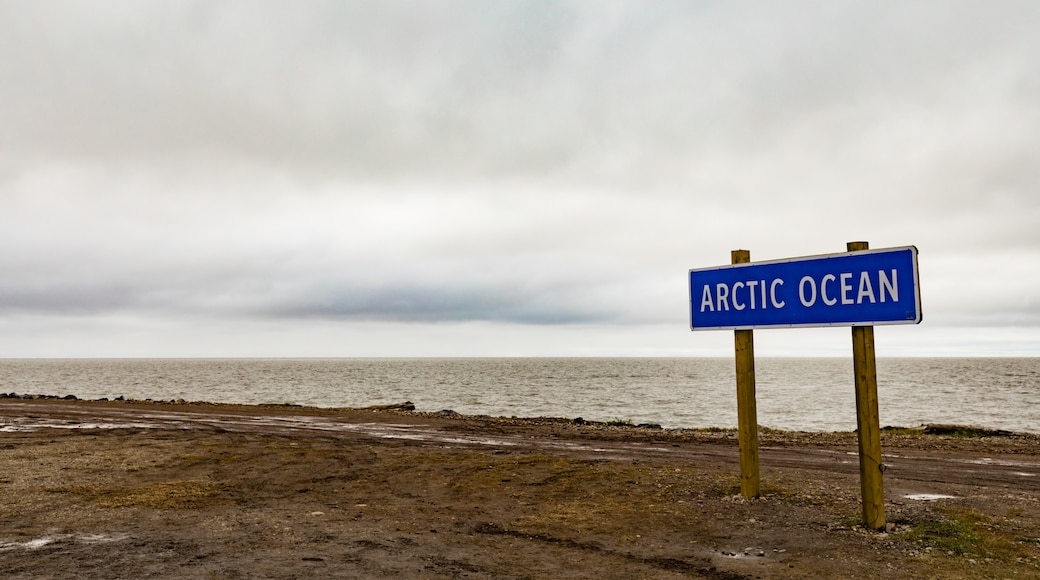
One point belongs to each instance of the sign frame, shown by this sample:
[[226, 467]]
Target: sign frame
[[815, 262]]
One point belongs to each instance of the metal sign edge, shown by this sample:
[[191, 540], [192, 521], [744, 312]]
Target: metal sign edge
[[912, 248]]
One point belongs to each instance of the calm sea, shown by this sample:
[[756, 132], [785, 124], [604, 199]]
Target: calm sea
[[800, 394]]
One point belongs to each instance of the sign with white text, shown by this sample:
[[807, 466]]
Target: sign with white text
[[864, 288]]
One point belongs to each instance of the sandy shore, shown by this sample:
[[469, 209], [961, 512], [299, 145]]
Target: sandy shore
[[137, 489]]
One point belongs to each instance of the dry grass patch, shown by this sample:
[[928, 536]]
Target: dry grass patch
[[161, 496]]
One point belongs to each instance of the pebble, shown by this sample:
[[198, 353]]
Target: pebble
[[747, 552]]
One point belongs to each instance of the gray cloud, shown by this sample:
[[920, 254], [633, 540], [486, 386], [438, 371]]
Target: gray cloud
[[551, 163], [468, 90]]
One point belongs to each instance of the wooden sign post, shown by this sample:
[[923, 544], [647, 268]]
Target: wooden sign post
[[747, 410], [868, 422]]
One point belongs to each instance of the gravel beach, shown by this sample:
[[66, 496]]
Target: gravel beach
[[138, 489]]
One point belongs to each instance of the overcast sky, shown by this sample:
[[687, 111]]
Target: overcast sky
[[526, 178]]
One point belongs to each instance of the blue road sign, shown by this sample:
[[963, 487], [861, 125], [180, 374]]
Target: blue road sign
[[866, 288]]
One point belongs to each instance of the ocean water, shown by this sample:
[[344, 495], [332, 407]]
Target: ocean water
[[814, 394]]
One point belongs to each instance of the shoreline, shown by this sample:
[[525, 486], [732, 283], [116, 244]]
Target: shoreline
[[680, 393], [924, 437], [950, 429]]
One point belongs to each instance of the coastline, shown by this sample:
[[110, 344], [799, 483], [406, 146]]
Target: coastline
[[892, 433], [794, 394]]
